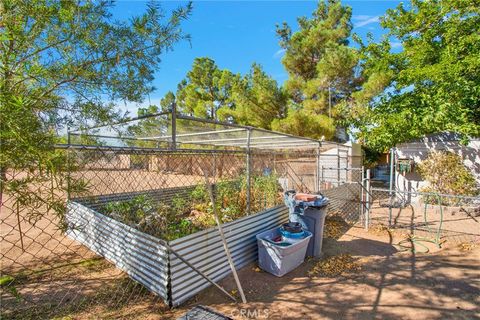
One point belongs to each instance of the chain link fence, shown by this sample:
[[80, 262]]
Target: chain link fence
[[453, 219], [343, 187], [161, 192]]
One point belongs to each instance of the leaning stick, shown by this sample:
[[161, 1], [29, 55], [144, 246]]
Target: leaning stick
[[198, 271], [222, 236]]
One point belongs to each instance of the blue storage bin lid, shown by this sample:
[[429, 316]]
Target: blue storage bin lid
[[292, 235]]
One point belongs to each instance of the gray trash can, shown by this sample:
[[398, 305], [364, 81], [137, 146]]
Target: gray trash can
[[311, 214], [282, 257]]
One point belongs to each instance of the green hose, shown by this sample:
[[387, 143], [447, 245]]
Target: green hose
[[415, 241]]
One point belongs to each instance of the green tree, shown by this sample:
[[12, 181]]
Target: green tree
[[320, 64], [432, 85], [149, 127], [206, 90], [258, 100], [305, 124], [167, 102], [67, 62]]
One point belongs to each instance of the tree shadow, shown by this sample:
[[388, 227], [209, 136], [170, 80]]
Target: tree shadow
[[391, 285]]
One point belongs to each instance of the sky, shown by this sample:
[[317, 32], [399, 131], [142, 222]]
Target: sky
[[237, 33]]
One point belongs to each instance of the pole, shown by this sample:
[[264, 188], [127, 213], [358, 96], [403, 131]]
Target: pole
[[367, 200], [317, 171], [323, 175], [275, 162], [225, 246], [249, 169], [329, 102], [362, 196], [392, 172], [338, 165], [69, 167], [174, 126]]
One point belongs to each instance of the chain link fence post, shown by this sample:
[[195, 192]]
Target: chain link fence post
[[317, 169], [367, 200], [362, 196], [249, 169]]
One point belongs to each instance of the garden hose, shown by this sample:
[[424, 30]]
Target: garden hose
[[415, 241]]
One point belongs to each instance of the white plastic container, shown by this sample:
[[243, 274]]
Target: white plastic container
[[279, 260]]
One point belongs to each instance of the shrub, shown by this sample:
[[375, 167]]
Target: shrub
[[188, 214], [446, 174]]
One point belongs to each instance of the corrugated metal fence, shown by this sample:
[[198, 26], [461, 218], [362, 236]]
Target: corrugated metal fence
[[205, 251], [143, 257], [147, 260]]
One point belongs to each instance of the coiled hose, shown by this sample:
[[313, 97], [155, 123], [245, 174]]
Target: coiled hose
[[412, 242]]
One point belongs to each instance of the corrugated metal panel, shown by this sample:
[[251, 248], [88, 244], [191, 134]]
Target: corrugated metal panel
[[141, 256], [146, 260], [204, 250]]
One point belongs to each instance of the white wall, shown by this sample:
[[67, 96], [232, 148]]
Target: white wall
[[419, 149]]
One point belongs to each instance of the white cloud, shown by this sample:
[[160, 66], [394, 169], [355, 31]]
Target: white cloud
[[361, 17], [363, 20], [279, 53], [395, 44]]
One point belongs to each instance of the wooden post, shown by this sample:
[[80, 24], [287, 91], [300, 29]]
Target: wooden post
[[224, 240], [19, 225]]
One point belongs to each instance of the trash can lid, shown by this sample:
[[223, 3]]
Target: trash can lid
[[305, 197]]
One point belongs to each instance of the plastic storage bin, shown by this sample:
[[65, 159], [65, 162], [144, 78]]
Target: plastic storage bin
[[280, 258]]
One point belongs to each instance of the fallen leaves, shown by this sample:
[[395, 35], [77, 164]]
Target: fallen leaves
[[335, 266], [467, 246], [335, 227], [380, 229]]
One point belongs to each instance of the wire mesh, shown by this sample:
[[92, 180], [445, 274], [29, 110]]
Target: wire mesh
[[455, 217], [150, 186]]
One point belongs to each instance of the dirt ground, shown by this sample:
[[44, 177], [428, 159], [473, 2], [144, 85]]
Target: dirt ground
[[457, 225], [442, 284]]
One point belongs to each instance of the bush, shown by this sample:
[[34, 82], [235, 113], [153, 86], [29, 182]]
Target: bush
[[446, 174]]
